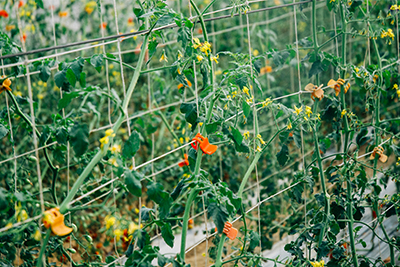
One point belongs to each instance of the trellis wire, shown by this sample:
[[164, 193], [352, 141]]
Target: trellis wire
[[152, 161], [300, 102], [173, 25]]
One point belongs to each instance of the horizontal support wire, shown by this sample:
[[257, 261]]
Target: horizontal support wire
[[131, 34]]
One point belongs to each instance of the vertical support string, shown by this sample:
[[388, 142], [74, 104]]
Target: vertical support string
[[300, 102], [255, 121]]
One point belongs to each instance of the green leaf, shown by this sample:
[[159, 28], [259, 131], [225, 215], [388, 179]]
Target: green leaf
[[246, 109], [167, 234], [190, 111], [82, 80], [283, 155], [131, 146], [67, 97], [142, 238], [165, 20], [39, 3], [237, 136], [62, 135], [45, 73], [212, 127], [3, 131], [3, 200], [79, 137], [77, 67], [70, 75], [219, 215], [59, 78], [97, 61], [156, 192], [132, 182], [316, 68], [152, 47], [254, 240]]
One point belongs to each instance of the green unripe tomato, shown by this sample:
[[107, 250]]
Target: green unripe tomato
[[88, 238], [71, 250]]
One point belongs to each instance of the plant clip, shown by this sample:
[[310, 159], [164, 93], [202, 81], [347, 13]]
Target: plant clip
[[54, 219], [185, 162], [231, 232], [379, 150], [205, 146]]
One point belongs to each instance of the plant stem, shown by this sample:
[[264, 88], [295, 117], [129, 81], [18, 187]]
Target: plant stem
[[323, 184], [218, 262], [100, 154], [43, 248], [46, 155], [315, 38], [189, 201], [346, 136], [254, 162]]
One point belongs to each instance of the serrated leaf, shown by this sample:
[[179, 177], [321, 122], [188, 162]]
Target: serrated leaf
[[59, 78], [237, 136], [39, 3], [283, 155], [70, 75], [219, 215], [190, 111], [79, 138], [45, 73], [132, 182], [3, 131], [142, 238], [166, 233], [212, 127], [67, 98], [131, 146], [3, 201], [246, 109], [82, 80], [97, 61]]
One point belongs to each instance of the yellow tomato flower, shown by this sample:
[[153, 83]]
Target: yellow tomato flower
[[259, 149], [266, 102], [308, 111], [118, 233], [199, 58], [343, 113], [246, 134], [163, 58], [196, 43], [110, 221], [115, 149], [246, 90], [113, 162], [110, 132], [395, 86], [249, 100], [132, 228], [255, 52], [289, 126], [297, 110], [215, 59], [37, 235], [205, 48], [180, 55], [260, 138], [89, 7]]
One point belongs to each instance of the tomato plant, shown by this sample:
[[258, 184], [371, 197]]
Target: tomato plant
[[130, 127]]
